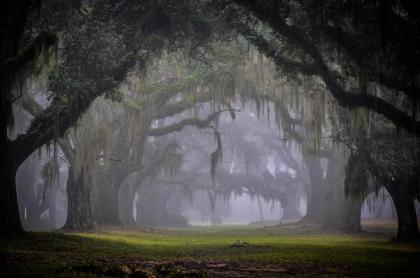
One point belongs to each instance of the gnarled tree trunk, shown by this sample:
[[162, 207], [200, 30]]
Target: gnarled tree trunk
[[334, 193], [9, 209], [342, 212], [106, 205], [290, 211], [126, 202], [316, 197], [408, 229], [352, 210], [79, 214]]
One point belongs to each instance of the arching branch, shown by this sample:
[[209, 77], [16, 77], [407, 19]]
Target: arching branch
[[296, 37], [177, 127], [60, 115], [267, 47]]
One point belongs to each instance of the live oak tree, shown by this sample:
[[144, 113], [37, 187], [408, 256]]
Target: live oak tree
[[363, 53], [100, 44]]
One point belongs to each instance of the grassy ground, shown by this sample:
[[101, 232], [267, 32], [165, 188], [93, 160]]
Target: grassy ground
[[234, 251]]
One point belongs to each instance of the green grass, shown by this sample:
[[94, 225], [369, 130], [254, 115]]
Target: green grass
[[288, 251]]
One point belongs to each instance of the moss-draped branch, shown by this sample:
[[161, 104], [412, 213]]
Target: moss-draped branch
[[296, 36], [177, 127], [60, 115]]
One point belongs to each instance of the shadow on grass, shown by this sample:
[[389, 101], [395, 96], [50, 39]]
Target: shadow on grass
[[193, 252]]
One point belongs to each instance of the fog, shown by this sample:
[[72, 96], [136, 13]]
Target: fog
[[206, 164], [209, 138], [203, 128]]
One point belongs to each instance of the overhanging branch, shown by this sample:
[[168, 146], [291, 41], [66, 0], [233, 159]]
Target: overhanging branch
[[177, 127], [346, 99]]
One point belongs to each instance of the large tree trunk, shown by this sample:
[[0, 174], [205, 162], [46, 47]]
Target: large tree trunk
[[333, 209], [152, 212], [334, 193], [126, 201], [316, 198], [214, 219], [79, 214], [343, 212], [408, 229], [9, 209], [14, 16], [106, 205], [352, 211], [290, 211]]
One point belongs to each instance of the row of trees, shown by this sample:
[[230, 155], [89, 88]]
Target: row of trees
[[361, 53]]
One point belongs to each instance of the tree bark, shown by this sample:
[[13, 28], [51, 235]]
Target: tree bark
[[334, 193], [79, 214], [342, 212], [106, 206], [401, 191], [126, 201], [352, 210], [290, 211], [9, 208], [316, 197], [408, 229]]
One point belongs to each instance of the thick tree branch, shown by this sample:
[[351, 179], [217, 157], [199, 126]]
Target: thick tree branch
[[361, 54], [177, 127], [60, 115], [35, 109], [352, 100], [266, 47]]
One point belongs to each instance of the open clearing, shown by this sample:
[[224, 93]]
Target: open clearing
[[223, 251]]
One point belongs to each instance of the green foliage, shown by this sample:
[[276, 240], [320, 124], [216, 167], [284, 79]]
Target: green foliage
[[397, 157], [90, 50]]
